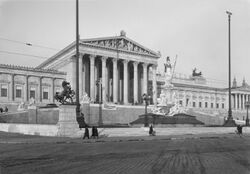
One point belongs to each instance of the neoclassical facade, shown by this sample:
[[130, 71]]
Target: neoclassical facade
[[111, 69], [20, 84]]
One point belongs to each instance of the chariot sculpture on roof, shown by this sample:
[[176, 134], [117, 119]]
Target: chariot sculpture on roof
[[196, 74]]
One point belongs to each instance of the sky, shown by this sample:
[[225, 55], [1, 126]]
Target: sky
[[194, 30]]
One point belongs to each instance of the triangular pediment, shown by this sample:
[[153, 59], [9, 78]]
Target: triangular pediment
[[121, 43]]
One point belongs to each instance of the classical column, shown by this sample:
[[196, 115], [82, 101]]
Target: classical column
[[135, 82], [242, 98], [92, 77], [53, 89], [80, 76], [154, 85], [125, 83], [107, 82], [240, 102], [40, 89], [236, 101], [244, 101], [145, 78], [27, 88], [12, 87], [232, 101], [104, 59], [115, 81], [84, 76], [73, 73]]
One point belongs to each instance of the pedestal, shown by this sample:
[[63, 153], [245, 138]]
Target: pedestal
[[169, 95], [32, 115], [229, 123], [67, 123]]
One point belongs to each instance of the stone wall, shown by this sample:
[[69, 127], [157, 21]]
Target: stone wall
[[32, 116], [95, 113], [30, 129]]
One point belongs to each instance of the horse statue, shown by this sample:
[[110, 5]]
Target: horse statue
[[195, 74], [66, 96]]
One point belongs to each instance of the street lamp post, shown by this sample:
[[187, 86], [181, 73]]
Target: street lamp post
[[247, 104], [229, 121], [146, 98], [229, 67], [77, 62]]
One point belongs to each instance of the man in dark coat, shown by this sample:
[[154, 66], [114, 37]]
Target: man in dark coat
[[239, 129], [86, 133], [81, 121]]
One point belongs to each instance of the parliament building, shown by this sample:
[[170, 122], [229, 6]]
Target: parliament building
[[114, 70]]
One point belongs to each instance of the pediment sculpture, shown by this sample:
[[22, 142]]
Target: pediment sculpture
[[121, 44]]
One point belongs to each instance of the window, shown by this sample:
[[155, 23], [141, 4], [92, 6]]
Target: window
[[205, 104], [18, 91], [45, 93], [222, 106], [200, 104], [4, 90], [212, 105], [217, 105], [180, 102], [33, 92], [194, 104]]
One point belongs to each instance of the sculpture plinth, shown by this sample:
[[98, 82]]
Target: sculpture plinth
[[67, 123]]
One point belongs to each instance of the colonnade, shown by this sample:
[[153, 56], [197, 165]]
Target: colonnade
[[239, 100], [114, 80]]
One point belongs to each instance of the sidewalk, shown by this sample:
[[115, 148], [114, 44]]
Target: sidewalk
[[161, 134]]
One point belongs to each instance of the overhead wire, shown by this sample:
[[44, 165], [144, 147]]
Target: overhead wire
[[30, 55], [28, 44]]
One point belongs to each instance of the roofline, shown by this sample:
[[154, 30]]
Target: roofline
[[16, 67], [198, 86], [121, 37], [56, 55], [46, 62]]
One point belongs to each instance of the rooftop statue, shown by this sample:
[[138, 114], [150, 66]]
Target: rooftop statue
[[195, 74], [66, 96]]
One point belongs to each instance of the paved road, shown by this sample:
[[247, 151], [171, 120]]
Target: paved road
[[204, 155]]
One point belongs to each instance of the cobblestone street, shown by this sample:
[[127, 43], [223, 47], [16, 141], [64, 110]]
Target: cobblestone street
[[202, 155]]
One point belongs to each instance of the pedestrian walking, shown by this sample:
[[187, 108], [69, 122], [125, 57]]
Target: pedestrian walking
[[81, 121], [94, 132], [86, 133], [239, 130], [151, 131]]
